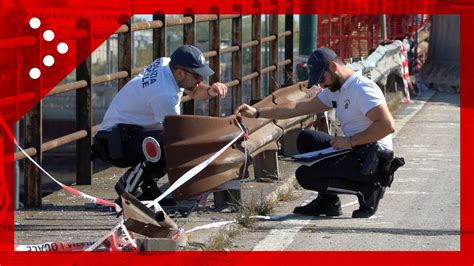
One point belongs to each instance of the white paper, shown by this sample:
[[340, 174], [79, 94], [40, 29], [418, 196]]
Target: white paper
[[312, 154], [313, 157]]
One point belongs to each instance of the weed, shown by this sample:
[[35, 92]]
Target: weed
[[254, 207], [221, 240]]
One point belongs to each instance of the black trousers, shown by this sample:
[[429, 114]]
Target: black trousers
[[335, 175], [132, 152]]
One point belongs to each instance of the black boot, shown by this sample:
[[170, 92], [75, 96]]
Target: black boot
[[369, 201], [328, 205]]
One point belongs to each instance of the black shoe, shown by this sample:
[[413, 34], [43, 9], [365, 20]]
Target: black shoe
[[328, 205], [369, 205]]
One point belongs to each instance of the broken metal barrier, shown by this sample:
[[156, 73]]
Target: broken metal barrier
[[159, 231], [190, 140]]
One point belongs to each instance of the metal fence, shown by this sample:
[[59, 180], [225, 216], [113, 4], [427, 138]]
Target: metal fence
[[355, 36]]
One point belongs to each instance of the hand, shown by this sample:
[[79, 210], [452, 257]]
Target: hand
[[217, 89], [246, 110], [341, 143]]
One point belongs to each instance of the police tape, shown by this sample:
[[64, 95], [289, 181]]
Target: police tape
[[190, 174], [117, 239], [405, 72], [73, 191], [55, 246], [111, 241]]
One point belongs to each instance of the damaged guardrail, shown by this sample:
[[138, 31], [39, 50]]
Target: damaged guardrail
[[190, 140]]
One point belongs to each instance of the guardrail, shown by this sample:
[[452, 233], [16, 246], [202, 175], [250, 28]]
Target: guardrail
[[205, 135]]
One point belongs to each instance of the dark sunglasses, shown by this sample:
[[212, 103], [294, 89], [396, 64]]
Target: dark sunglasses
[[195, 75]]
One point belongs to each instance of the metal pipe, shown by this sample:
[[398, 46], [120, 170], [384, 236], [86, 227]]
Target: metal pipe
[[383, 26], [308, 34]]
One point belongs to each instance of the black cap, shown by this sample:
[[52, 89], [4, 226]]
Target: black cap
[[191, 57], [318, 62]]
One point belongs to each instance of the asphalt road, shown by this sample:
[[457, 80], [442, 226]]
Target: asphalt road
[[421, 211]]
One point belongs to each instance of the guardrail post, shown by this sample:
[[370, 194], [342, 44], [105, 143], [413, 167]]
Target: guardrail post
[[189, 37], [84, 107], [159, 37], [32, 131], [125, 51], [237, 60], [266, 165], [256, 63], [214, 62]]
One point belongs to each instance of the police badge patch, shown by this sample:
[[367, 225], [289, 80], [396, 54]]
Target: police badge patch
[[347, 102]]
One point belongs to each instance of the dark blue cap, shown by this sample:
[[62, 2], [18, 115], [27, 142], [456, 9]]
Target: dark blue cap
[[191, 57], [318, 62]]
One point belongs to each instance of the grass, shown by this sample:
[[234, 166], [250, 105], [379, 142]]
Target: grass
[[254, 207], [221, 240]]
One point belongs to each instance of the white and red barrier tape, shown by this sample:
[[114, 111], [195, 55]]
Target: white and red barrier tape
[[191, 173], [405, 72], [115, 240], [73, 191], [112, 241], [55, 246]]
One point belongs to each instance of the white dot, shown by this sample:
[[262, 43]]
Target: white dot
[[48, 35], [35, 23], [62, 48], [35, 73], [48, 60]]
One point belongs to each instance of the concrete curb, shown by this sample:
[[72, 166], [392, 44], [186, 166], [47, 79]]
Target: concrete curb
[[286, 186]]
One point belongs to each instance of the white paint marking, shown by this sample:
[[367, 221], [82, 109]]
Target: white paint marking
[[429, 169], [350, 204], [406, 192], [279, 239]]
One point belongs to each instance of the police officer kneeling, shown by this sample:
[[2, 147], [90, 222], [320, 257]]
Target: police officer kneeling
[[367, 126], [138, 111]]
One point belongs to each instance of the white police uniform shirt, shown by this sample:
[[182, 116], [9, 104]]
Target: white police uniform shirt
[[146, 99], [357, 96]]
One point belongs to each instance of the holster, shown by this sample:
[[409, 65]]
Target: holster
[[115, 140], [376, 160]]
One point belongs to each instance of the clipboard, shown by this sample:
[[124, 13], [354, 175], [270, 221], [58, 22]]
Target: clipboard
[[313, 157]]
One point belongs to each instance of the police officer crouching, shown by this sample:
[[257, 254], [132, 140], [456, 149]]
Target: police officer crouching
[[367, 125], [137, 111]]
